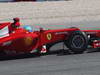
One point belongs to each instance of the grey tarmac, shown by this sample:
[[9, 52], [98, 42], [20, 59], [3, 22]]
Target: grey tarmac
[[80, 64]]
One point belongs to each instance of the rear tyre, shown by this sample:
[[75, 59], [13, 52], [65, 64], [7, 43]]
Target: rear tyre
[[77, 42]]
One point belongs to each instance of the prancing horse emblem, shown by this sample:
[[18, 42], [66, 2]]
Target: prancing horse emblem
[[49, 36]]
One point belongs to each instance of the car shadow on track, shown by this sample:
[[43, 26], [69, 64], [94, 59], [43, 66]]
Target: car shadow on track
[[60, 52], [35, 55], [20, 56]]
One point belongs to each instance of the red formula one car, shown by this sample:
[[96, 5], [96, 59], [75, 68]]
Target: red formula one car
[[22, 40]]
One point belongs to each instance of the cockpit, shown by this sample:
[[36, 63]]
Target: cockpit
[[28, 28]]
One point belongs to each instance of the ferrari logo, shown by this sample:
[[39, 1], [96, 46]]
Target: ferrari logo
[[49, 36]]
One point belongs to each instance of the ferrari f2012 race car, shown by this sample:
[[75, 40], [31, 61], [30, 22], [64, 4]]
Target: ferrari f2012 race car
[[24, 40]]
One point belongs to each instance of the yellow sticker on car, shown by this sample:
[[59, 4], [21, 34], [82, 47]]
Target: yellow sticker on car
[[49, 36], [28, 40]]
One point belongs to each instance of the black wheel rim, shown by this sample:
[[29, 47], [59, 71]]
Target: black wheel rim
[[78, 41]]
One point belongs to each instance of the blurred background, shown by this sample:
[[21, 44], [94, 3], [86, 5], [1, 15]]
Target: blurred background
[[52, 14], [28, 0]]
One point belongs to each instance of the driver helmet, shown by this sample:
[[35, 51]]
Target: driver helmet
[[28, 28]]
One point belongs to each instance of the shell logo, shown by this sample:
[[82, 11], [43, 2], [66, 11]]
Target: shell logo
[[49, 36], [28, 40]]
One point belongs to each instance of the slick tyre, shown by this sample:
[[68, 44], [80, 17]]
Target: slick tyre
[[77, 42]]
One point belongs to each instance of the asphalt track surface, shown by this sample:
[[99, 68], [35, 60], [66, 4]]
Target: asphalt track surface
[[52, 64]]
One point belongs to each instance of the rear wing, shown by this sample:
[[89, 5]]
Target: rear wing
[[2, 25], [4, 30]]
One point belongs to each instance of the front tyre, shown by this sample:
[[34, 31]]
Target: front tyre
[[77, 42]]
